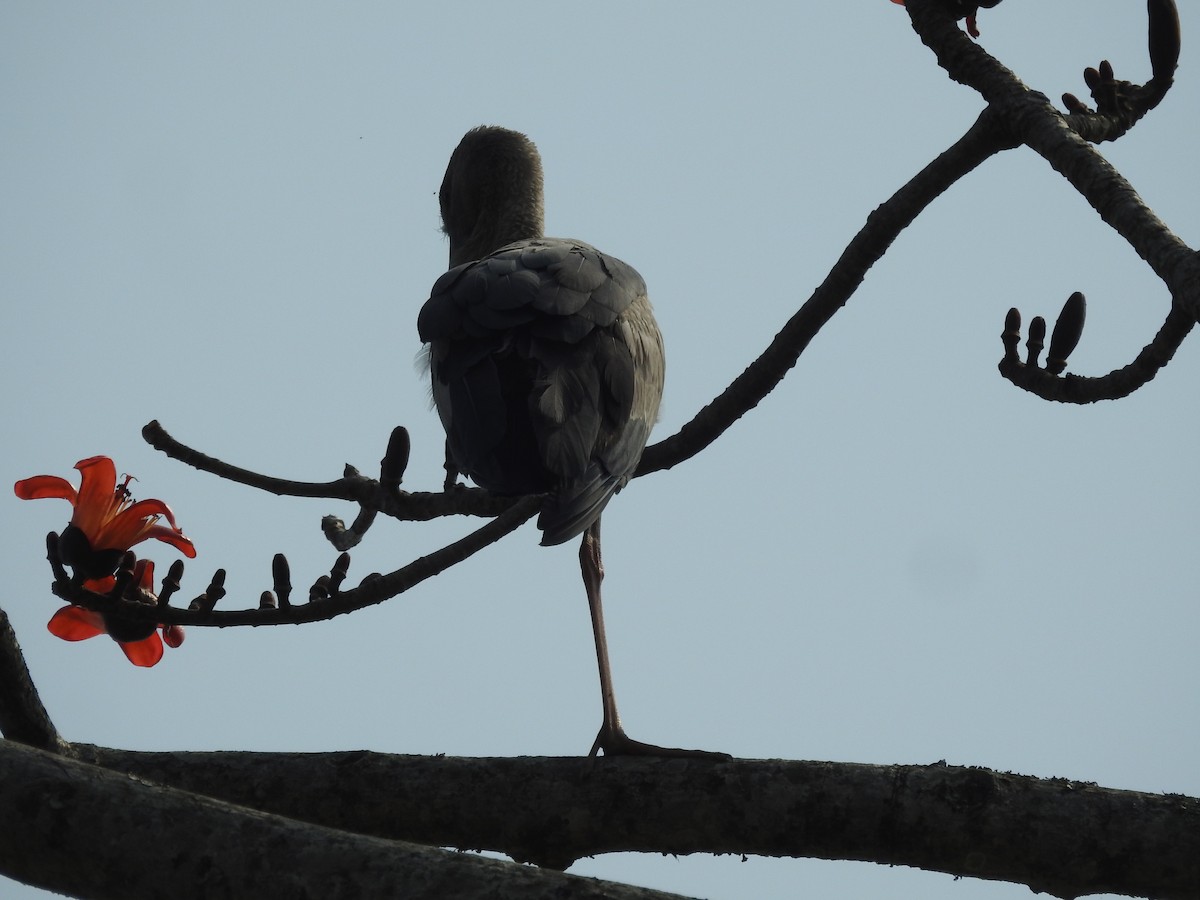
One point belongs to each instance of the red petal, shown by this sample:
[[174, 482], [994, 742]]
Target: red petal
[[143, 574], [99, 476], [174, 538], [143, 509], [131, 526], [74, 623], [40, 487], [96, 499], [146, 652]]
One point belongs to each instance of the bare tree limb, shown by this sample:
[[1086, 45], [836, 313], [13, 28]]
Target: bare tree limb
[[1113, 386], [1122, 104], [90, 832], [1034, 122], [1060, 837], [373, 590], [58, 816], [352, 486], [1063, 142], [1015, 115], [985, 138], [23, 718]]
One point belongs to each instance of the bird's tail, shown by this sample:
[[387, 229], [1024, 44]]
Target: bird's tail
[[569, 511]]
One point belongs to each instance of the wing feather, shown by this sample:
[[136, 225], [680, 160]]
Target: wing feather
[[547, 371]]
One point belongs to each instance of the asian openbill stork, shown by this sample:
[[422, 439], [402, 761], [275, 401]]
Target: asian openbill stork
[[546, 364]]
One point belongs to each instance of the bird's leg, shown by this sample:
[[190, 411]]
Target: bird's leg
[[592, 567], [451, 468], [612, 738]]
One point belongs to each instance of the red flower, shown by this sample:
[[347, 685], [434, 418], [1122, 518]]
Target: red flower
[[139, 640], [106, 521]]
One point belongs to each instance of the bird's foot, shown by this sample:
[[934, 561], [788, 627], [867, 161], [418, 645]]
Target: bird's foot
[[615, 742]]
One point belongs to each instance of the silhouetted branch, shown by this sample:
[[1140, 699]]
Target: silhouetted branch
[[1051, 834], [23, 718], [326, 599], [1031, 117], [1120, 104], [982, 141], [1015, 114], [90, 832], [1049, 385], [1034, 122], [352, 486]]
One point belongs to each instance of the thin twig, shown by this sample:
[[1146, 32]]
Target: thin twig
[[373, 589], [352, 486]]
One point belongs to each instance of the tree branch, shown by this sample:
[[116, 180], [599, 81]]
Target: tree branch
[[1015, 115], [373, 590], [1060, 837], [352, 486], [89, 832], [23, 718], [1034, 122], [1113, 386], [1121, 103], [983, 140]]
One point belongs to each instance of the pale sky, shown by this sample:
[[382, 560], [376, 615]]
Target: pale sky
[[224, 216]]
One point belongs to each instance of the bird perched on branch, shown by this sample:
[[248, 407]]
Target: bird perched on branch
[[545, 361]]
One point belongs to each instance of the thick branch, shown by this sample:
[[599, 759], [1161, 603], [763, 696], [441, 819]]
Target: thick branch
[[1060, 837], [90, 832], [22, 716]]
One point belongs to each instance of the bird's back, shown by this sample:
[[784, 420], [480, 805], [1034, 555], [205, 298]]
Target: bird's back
[[547, 370]]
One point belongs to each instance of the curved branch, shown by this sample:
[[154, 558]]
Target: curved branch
[[1035, 123], [1058, 140], [352, 486], [983, 140], [1015, 115], [1051, 834], [1121, 103], [373, 590], [1113, 386], [346, 488]]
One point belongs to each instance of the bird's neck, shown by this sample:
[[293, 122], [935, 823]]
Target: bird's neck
[[499, 224]]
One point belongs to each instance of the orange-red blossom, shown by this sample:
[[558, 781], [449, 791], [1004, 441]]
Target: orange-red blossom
[[105, 523]]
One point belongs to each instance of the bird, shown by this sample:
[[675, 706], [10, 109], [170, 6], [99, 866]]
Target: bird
[[546, 365]]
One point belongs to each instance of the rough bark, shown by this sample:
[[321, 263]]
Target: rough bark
[[1061, 837], [22, 716], [90, 832]]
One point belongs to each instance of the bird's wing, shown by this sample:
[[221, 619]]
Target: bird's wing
[[547, 369]]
